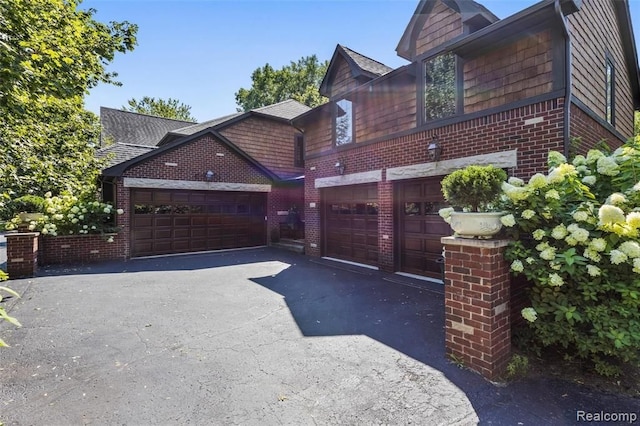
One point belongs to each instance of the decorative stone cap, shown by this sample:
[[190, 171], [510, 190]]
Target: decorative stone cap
[[21, 234], [473, 242]]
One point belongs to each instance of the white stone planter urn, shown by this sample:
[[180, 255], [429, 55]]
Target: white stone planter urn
[[476, 225]]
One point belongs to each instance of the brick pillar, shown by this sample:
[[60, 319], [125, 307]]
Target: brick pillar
[[22, 254], [477, 313]]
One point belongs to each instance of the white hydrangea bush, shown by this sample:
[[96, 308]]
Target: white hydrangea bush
[[67, 214], [575, 235]]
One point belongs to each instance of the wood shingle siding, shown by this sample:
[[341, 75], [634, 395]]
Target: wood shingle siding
[[389, 107], [595, 33], [269, 141], [442, 25], [520, 70], [343, 80]]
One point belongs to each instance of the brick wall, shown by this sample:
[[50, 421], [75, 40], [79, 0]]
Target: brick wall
[[590, 132], [496, 132], [69, 249], [22, 254], [192, 160]]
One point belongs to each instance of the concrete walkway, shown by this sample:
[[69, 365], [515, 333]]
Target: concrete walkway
[[255, 337]]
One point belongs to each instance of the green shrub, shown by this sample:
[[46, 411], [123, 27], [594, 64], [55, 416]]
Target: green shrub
[[575, 237], [3, 314], [474, 188], [27, 204]]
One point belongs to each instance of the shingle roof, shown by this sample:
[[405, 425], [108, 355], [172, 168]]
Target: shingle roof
[[195, 128], [367, 64], [287, 110], [121, 152], [127, 127]]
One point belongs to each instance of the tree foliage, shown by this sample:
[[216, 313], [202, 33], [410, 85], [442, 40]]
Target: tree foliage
[[299, 81], [51, 54], [169, 108]]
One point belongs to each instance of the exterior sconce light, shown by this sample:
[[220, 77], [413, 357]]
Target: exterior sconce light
[[340, 167], [434, 149], [209, 175]]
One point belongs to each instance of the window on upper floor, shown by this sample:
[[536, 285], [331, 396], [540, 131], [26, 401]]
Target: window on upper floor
[[298, 151], [439, 92], [610, 82], [343, 123]]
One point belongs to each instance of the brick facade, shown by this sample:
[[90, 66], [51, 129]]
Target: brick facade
[[532, 130], [22, 254], [81, 249], [477, 304]]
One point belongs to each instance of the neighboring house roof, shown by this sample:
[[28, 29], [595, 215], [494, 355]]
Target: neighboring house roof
[[127, 127], [362, 67], [121, 152], [119, 169], [282, 111]]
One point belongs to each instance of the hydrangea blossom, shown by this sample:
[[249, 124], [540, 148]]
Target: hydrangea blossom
[[617, 257], [636, 265], [528, 214], [515, 181], [633, 220], [598, 244], [581, 235], [555, 159], [559, 232], [571, 240], [594, 155], [552, 194], [548, 254], [580, 216], [579, 160], [607, 166], [517, 266], [589, 180], [609, 214], [508, 220], [592, 254], [538, 181], [561, 172], [555, 280], [529, 314], [616, 199], [539, 234], [515, 193], [593, 270], [630, 248]]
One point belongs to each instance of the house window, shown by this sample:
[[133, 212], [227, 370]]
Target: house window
[[610, 92], [298, 151], [344, 122], [440, 87]]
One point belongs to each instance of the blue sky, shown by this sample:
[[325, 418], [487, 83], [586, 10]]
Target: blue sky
[[202, 51]]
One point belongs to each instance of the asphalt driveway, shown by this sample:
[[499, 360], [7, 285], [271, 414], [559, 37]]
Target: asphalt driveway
[[253, 337]]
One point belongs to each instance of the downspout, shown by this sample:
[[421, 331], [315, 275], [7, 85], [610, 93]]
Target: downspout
[[567, 80]]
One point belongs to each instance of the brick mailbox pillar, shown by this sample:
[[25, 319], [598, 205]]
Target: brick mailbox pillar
[[477, 312], [22, 254]]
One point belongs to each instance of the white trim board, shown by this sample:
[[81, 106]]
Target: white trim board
[[502, 159], [420, 277], [350, 179], [194, 185]]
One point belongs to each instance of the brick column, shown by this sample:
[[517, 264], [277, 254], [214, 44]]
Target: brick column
[[477, 312], [22, 254]]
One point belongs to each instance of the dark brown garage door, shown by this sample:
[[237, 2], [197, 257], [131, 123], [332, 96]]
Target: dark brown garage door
[[350, 223], [179, 221], [420, 226]]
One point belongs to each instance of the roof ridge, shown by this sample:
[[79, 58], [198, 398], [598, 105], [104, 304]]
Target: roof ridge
[[147, 115], [364, 56], [126, 144], [277, 103]]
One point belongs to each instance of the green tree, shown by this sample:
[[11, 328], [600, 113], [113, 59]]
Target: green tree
[[299, 80], [170, 108], [51, 54]]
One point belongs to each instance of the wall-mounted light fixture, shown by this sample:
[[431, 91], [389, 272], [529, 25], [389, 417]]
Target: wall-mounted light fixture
[[209, 175], [340, 167], [434, 149]]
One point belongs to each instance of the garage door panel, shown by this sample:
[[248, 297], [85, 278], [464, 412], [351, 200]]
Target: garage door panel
[[350, 223], [178, 221], [420, 226]]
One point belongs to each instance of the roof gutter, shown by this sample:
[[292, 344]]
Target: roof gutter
[[567, 79]]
